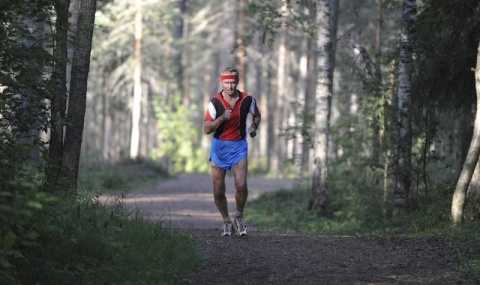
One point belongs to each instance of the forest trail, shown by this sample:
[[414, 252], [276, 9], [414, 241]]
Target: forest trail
[[186, 203]]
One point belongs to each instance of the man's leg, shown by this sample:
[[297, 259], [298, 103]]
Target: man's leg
[[218, 177], [240, 171], [240, 175]]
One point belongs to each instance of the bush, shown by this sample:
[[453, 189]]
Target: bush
[[90, 242]]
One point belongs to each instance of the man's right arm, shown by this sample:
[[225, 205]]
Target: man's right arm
[[210, 126]]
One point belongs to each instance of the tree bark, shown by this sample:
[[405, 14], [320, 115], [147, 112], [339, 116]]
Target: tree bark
[[59, 101], [376, 126], [278, 149], [465, 179], [137, 84], [227, 33], [78, 94], [242, 54], [106, 119], [320, 188], [404, 145]]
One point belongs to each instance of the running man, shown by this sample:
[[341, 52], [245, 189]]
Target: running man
[[226, 118]]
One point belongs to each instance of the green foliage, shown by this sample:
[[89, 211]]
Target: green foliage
[[448, 33], [24, 86], [177, 139], [94, 241], [468, 250], [21, 219]]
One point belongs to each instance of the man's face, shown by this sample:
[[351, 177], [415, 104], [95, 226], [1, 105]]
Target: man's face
[[229, 86]]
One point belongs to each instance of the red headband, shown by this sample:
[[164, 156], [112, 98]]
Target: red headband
[[229, 76]]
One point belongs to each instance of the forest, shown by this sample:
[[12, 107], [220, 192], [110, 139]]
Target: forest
[[374, 105]]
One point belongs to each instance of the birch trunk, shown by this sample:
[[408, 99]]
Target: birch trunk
[[323, 96], [404, 146], [459, 195]]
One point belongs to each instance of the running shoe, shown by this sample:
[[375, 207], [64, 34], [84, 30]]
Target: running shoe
[[227, 229], [240, 226]]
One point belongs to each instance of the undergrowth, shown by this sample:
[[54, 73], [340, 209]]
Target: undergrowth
[[90, 242], [85, 239]]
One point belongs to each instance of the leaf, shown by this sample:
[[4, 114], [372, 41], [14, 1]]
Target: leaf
[[35, 204], [10, 239]]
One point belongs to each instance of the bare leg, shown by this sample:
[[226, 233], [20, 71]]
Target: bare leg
[[218, 177], [240, 171]]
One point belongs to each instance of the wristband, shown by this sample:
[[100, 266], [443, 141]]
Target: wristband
[[256, 126]]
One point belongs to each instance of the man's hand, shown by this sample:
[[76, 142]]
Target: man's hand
[[227, 115], [252, 131]]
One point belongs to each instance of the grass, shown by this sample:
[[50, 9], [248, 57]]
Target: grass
[[286, 212], [83, 240], [94, 243]]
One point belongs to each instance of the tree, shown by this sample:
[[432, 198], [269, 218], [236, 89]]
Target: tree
[[227, 33], [59, 97], [471, 164], [404, 144], [324, 90], [137, 83], [78, 93], [277, 149]]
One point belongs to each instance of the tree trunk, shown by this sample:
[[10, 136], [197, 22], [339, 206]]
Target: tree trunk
[[227, 34], [309, 110], [78, 93], [278, 147], [376, 124], [459, 195], [106, 119], [404, 144], [320, 188], [241, 47], [137, 84], [299, 109], [59, 101]]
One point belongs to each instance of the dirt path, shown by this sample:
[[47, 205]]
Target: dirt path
[[187, 201], [267, 258]]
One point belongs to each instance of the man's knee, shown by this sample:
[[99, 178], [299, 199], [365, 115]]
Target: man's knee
[[240, 186], [218, 194]]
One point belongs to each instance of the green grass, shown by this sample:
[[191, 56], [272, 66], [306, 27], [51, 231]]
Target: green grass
[[95, 243], [82, 240]]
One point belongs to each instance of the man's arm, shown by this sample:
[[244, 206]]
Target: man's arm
[[256, 121], [252, 130], [210, 126]]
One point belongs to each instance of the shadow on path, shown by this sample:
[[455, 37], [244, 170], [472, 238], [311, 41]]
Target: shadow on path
[[186, 202]]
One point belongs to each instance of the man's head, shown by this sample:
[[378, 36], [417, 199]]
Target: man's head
[[229, 80]]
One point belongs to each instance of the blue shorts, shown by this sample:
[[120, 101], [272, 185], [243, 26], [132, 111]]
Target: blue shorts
[[226, 154]]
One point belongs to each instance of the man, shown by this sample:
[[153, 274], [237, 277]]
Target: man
[[226, 118]]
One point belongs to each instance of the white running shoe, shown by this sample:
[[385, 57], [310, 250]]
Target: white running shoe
[[240, 226], [227, 229]]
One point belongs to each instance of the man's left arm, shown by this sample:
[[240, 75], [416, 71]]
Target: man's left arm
[[252, 130]]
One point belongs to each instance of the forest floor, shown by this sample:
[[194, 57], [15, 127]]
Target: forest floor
[[186, 203]]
